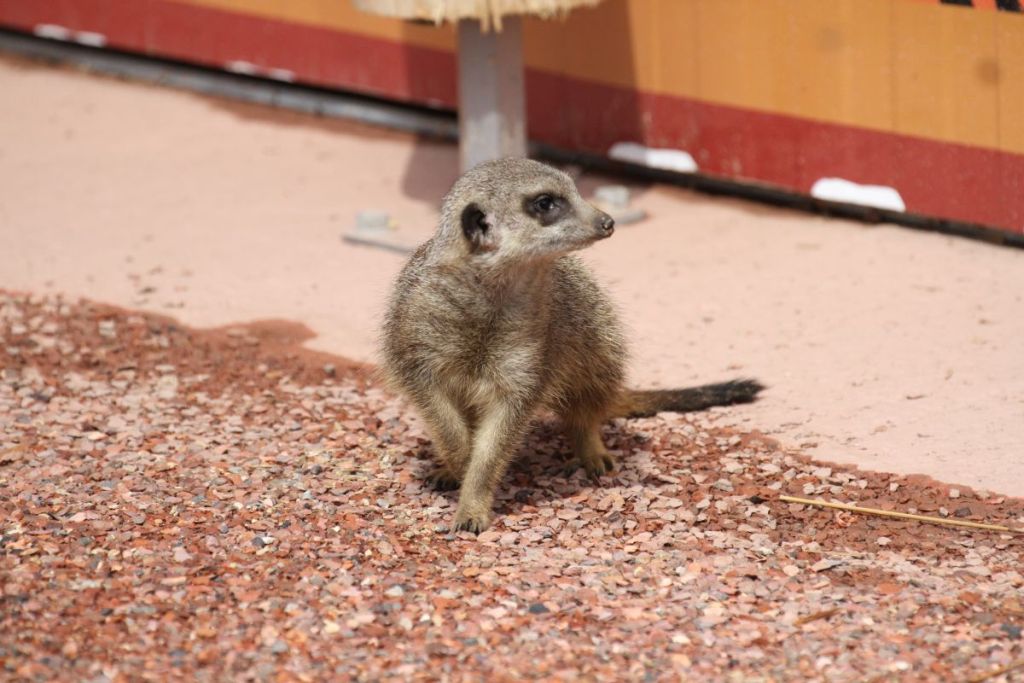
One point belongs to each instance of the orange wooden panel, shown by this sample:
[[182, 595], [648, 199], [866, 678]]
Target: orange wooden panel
[[946, 63], [739, 52], [592, 43], [676, 64], [648, 45], [837, 61], [1009, 74]]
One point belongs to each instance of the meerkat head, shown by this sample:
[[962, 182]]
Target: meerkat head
[[512, 211]]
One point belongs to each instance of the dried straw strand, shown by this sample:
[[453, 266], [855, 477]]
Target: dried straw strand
[[1007, 668], [814, 616], [901, 515]]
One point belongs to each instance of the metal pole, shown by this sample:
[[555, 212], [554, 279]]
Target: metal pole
[[492, 99]]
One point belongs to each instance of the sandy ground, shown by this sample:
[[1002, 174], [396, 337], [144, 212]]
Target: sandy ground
[[883, 347]]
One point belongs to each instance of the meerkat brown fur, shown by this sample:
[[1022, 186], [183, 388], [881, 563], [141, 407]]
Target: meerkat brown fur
[[493, 319]]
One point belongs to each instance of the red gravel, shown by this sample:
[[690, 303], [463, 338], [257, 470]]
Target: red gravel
[[217, 505]]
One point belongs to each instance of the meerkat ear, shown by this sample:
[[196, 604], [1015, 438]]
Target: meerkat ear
[[477, 228]]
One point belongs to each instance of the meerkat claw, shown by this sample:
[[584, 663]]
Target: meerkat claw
[[599, 466], [472, 523], [594, 469], [442, 480], [609, 464]]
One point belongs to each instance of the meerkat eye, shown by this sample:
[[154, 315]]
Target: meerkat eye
[[545, 203], [546, 209]]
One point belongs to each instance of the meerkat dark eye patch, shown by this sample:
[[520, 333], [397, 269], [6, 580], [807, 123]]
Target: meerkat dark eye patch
[[474, 225], [546, 208]]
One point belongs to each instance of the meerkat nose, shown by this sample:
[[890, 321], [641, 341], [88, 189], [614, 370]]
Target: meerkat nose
[[606, 224]]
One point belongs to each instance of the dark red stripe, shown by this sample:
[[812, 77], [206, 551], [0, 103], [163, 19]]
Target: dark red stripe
[[940, 179], [212, 37]]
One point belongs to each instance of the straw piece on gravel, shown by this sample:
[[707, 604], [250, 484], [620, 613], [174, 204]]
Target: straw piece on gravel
[[901, 515], [8, 452], [1007, 668], [815, 616]]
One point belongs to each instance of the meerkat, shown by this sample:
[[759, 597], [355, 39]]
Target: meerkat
[[493, 318]]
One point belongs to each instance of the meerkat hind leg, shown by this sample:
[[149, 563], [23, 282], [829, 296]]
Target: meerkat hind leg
[[584, 431]]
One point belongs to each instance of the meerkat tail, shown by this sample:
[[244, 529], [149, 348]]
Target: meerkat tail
[[648, 403]]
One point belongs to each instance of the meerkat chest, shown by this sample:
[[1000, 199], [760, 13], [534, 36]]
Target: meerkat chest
[[512, 371], [505, 357], [493, 345], [508, 352]]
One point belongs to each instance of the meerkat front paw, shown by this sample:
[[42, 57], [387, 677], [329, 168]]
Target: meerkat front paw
[[475, 520]]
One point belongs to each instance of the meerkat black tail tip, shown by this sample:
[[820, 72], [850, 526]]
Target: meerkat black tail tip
[[648, 403]]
